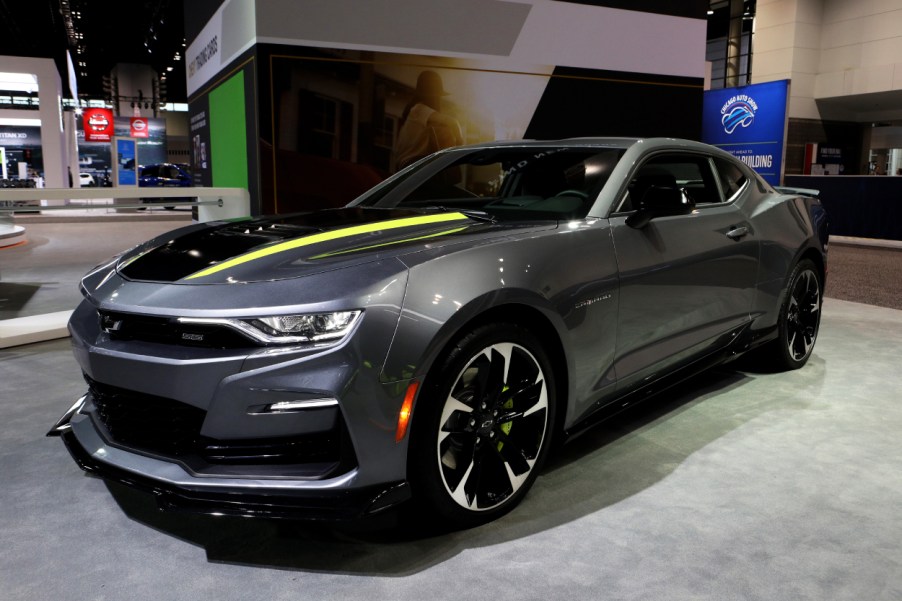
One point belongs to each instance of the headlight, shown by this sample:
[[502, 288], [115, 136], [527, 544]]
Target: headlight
[[319, 326], [288, 329]]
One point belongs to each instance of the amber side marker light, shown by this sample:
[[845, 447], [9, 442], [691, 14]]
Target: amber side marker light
[[404, 415]]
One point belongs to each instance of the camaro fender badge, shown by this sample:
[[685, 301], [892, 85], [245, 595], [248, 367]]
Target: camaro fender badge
[[591, 301], [192, 336]]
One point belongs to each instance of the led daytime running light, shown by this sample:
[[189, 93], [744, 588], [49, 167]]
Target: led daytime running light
[[288, 329]]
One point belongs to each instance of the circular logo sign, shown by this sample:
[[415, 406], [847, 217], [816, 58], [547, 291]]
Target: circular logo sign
[[738, 111], [98, 122]]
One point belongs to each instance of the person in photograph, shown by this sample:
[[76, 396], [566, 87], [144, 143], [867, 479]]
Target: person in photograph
[[424, 127]]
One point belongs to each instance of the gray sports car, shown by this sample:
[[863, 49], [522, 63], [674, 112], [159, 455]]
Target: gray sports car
[[434, 338]]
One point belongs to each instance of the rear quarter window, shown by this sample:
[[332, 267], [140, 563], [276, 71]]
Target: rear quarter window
[[732, 179]]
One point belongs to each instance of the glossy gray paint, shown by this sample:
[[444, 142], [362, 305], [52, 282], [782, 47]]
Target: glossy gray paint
[[625, 307]]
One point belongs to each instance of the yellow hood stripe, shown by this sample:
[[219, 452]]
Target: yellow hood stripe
[[384, 244], [325, 237]]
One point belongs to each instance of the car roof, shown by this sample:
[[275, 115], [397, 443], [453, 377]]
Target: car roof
[[604, 142]]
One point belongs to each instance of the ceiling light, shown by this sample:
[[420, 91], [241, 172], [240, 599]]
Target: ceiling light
[[169, 68]]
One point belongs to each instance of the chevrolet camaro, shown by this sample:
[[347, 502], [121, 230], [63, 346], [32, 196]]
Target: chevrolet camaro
[[432, 339]]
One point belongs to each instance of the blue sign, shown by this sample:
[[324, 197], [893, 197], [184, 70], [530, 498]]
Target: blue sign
[[749, 122], [127, 154]]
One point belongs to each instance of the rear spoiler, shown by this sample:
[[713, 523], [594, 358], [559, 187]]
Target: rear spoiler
[[797, 191]]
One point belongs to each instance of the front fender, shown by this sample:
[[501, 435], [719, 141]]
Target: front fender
[[550, 273]]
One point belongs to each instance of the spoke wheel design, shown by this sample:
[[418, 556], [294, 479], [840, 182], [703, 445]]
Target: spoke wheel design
[[803, 315], [800, 318], [482, 426], [492, 426]]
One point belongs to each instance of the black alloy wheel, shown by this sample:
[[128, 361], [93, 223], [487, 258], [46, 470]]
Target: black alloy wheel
[[483, 430], [800, 317]]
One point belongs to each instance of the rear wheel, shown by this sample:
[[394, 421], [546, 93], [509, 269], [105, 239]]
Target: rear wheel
[[483, 428], [800, 317]]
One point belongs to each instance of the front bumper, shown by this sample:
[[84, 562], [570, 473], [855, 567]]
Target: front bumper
[[195, 425], [175, 489]]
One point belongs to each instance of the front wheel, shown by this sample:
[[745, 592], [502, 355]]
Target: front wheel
[[483, 427], [800, 318]]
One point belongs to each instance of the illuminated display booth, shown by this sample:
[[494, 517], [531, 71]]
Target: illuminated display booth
[[308, 109]]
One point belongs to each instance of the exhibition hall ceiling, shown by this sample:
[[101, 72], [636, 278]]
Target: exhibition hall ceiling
[[99, 34]]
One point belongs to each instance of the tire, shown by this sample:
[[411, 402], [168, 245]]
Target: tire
[[800, 317], [483, 428]]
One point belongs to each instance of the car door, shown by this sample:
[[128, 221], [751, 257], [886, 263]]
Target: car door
[[686, 281]]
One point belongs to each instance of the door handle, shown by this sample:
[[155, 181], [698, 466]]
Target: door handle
[[738, 232]]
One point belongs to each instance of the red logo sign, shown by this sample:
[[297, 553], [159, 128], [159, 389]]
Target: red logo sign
[[98, 124], [140, 128]]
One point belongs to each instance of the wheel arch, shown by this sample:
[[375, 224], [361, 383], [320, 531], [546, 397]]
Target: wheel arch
[[816, 257], [538, 322]]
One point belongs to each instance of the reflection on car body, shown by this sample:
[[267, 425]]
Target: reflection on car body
[[432, 338]]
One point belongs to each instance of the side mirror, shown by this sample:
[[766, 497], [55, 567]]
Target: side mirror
[[660, 202]]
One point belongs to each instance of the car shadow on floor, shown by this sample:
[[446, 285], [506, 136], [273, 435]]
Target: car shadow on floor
[[613, 461]]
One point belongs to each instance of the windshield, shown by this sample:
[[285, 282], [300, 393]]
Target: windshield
[[513, 183]]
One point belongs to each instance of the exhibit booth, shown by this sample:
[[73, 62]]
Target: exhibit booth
[[306, 108]]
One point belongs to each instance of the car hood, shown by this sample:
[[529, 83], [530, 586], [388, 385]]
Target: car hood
[[282, 247]]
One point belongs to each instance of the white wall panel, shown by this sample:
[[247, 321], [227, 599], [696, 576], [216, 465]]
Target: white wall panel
[[781, 12], [841, 33], [873, 79], [810, 11], [829, 85], [805, 60], [881, 52], [773, 38], [527, 32], [801, 107], [772, 61], [839, 59], [807, 35], [803, 84], [882, 26]]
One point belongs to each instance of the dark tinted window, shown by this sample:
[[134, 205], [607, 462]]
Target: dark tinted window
[[732, 179], [507, 183], [690, 173]]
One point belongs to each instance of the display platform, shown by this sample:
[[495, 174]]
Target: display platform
[[740, 485]]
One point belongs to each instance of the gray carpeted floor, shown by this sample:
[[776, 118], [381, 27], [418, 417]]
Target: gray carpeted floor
[[738, 485], [869, 275], [42, 275]]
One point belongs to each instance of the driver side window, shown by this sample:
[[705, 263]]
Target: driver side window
[[689, 173]]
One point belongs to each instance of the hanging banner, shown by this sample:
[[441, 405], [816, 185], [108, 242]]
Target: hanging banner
[[139, 127], [98, 125], [749, 122]]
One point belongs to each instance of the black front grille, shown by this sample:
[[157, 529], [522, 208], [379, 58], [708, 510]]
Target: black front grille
[[171, 429], [166, 330], [150, 423]]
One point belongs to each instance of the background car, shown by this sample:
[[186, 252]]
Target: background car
[[86, 180], [432, 339], [164, 175]]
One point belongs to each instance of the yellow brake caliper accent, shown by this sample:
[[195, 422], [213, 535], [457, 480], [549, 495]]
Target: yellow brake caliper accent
[[506, 426]]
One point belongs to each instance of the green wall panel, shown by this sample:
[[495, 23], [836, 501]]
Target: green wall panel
[[228, 134]]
